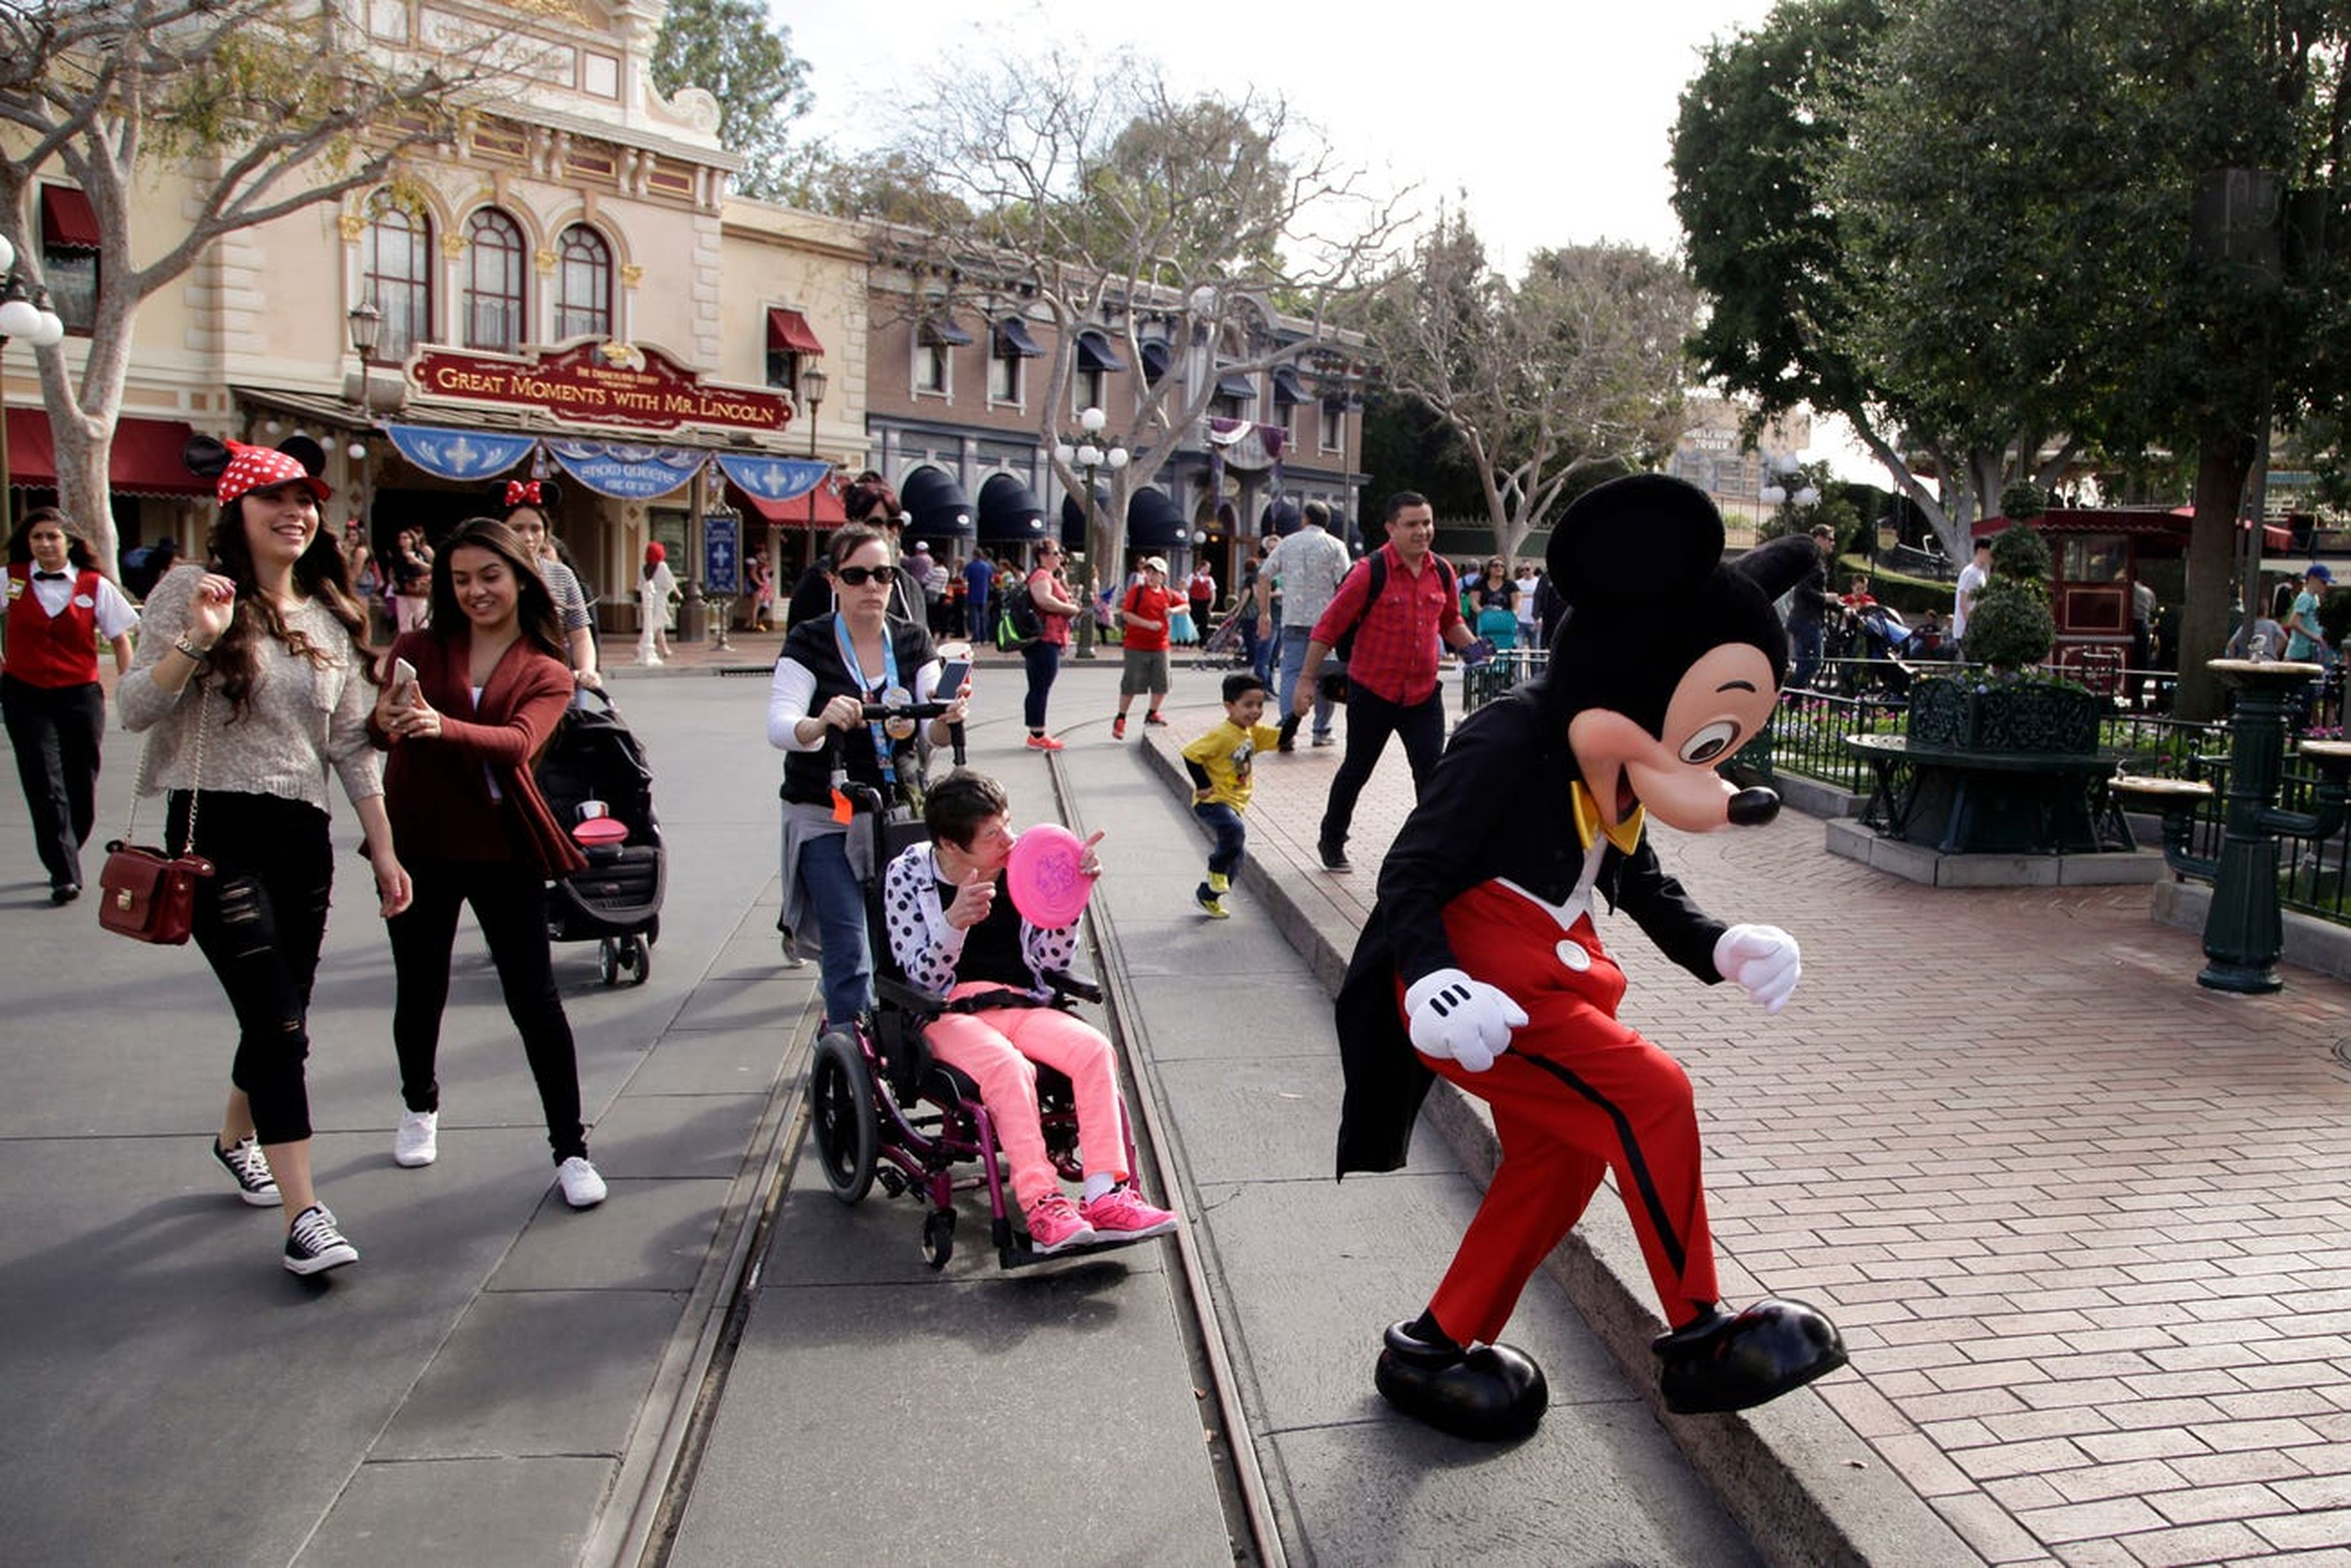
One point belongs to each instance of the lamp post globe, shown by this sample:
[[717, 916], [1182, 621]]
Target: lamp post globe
[[1091, 421], [50, 332], [19, 318], [7, 253]]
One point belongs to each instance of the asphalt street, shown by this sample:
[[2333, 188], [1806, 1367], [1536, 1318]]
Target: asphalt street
[[502, 1380]]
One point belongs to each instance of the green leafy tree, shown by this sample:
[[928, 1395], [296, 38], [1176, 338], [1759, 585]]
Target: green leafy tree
[[264, 107], [1577, 366], [731, 50]]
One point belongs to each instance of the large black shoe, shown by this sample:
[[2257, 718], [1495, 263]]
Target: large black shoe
[[1489, 1393], [1335, 856], [1725, 1362], [1289, 741], [65, 893]]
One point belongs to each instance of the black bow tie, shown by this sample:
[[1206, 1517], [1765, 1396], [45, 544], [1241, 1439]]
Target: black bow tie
[[48, 577]]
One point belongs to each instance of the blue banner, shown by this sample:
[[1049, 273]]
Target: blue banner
[[722, 558], [774, 478], [460, 455], [623, 470]]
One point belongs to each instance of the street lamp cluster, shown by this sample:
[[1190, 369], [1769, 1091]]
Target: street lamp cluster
[[1779, 471], [1087, 452], [24, 313]]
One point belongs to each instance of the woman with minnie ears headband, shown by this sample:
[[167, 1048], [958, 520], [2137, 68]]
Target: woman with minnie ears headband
[[240, 662], [526, 507]]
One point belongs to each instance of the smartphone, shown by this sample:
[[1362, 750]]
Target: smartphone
[[951, 675], [404, 678], [1476, 651]]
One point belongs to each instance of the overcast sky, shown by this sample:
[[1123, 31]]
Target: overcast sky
[[1548, 124]]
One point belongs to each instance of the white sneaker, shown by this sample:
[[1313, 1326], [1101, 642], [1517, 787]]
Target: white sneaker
[[582, 1187], [417, 1140]]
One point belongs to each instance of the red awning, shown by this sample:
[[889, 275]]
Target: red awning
[[789, 329], [146, 459], [794, 513], [68, 222]]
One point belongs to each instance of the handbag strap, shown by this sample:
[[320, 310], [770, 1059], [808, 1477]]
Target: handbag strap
[[146, 774]]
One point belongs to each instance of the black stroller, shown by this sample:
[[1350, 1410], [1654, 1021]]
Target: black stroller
[[595, 771]]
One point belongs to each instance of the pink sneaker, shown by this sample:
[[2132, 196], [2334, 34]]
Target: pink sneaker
[[1054, 1225], [1043, 743], [1120, 1215]]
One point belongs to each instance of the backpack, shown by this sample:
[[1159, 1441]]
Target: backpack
[[1022, 619], [1343, 649]]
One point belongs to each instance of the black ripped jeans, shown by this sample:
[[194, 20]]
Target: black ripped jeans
[[259, 921]]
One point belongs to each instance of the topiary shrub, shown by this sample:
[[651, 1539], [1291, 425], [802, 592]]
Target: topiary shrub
[[2022, 500], [2010, 627]]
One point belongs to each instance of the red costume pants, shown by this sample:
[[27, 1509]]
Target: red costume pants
[[1576, 1094]]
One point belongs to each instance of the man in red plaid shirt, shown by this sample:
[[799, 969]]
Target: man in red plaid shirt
[[1392, 685]]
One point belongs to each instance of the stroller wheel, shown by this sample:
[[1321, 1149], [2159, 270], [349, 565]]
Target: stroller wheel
[[938, 1237], [640, 960], [842, 1116], [608, 961]]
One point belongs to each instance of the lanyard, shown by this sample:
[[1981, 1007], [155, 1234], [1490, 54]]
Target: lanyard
[[866, 688]]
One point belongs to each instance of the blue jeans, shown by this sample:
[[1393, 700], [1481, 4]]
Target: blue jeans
[[839, 899], [1293, 657], [1804, 642], [1232, 835], [1261, 658]]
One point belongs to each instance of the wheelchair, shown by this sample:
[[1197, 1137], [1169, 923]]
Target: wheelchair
[[882, 1109]]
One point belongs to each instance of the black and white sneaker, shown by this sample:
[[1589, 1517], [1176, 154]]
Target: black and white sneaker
[[249, 1168], [315, 1245]]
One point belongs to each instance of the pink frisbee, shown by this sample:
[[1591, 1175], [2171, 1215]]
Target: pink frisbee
[[1043, 878], [600, 831]]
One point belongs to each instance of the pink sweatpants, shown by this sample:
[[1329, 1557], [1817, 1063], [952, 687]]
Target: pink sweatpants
[[1000, 1048]]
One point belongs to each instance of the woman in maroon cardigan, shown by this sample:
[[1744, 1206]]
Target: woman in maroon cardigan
[[469, 823]]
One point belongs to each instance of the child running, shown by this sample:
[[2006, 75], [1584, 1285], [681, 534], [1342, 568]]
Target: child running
[[1222, 764]]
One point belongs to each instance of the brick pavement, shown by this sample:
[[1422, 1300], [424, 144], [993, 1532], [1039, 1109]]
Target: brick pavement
[[2084, 1224]]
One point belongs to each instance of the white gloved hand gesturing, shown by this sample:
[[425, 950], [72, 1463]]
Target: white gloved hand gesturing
[[1458, 1018], [1762, 960]]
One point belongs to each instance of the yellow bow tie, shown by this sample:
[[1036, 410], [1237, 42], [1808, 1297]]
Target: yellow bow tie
[[1625, 835]]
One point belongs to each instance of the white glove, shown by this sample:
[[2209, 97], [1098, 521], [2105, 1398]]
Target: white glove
[[1762, 960], [1458, 1018]]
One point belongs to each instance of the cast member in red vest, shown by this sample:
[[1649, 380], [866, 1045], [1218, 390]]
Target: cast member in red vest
[[58, 608]]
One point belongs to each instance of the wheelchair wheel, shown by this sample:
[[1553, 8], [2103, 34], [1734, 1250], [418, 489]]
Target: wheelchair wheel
[[938, 1237], [840, 1102]]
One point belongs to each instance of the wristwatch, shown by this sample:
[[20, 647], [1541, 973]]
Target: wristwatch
[[182, 644]]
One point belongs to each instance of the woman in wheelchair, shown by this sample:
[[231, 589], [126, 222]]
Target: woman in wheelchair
[[954, 933], [831, 667]]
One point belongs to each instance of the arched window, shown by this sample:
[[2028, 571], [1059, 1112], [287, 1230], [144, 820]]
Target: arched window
[[494, 282], [396, 272], [583, 285]]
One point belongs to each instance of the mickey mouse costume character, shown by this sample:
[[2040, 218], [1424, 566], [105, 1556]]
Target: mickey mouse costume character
[[1481, 960]]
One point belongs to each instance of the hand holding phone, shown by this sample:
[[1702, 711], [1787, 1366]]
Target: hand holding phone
[[403, 681], [1476, 651], [952, 676]]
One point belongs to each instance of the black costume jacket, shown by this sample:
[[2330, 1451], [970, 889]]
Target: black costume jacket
[[1495, 806]]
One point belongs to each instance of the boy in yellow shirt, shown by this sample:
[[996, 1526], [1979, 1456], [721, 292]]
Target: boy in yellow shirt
[[1221, 764]]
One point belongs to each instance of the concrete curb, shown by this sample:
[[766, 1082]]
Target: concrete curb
[[1804, 1485]]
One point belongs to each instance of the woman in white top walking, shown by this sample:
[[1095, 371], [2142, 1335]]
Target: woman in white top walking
[[268, 638]]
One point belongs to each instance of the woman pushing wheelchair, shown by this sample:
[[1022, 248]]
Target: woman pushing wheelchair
[[959, 938]]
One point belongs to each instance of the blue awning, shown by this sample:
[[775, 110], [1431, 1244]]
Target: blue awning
[[1288, 386], [1013, 341], [1232, 383], [1094, 353], [940, 331], [1156, 357]]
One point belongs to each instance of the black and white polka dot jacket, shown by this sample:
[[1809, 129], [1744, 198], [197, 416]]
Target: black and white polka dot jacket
[[927, 948]]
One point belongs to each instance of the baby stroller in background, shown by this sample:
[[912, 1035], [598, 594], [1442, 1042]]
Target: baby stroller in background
[[1869, 650], [1223, 649], [881, 1108], [600, 790]]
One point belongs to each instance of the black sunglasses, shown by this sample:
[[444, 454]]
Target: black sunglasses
[[859, 576]]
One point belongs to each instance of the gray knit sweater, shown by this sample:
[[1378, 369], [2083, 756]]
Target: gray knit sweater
[[299, 719]]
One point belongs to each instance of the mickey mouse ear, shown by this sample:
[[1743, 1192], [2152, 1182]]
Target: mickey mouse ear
[[1780, 565], [206, 458], [1647, 538], [306, 451]]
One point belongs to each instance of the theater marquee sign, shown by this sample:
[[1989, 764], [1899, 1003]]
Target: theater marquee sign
[[600, 385]]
